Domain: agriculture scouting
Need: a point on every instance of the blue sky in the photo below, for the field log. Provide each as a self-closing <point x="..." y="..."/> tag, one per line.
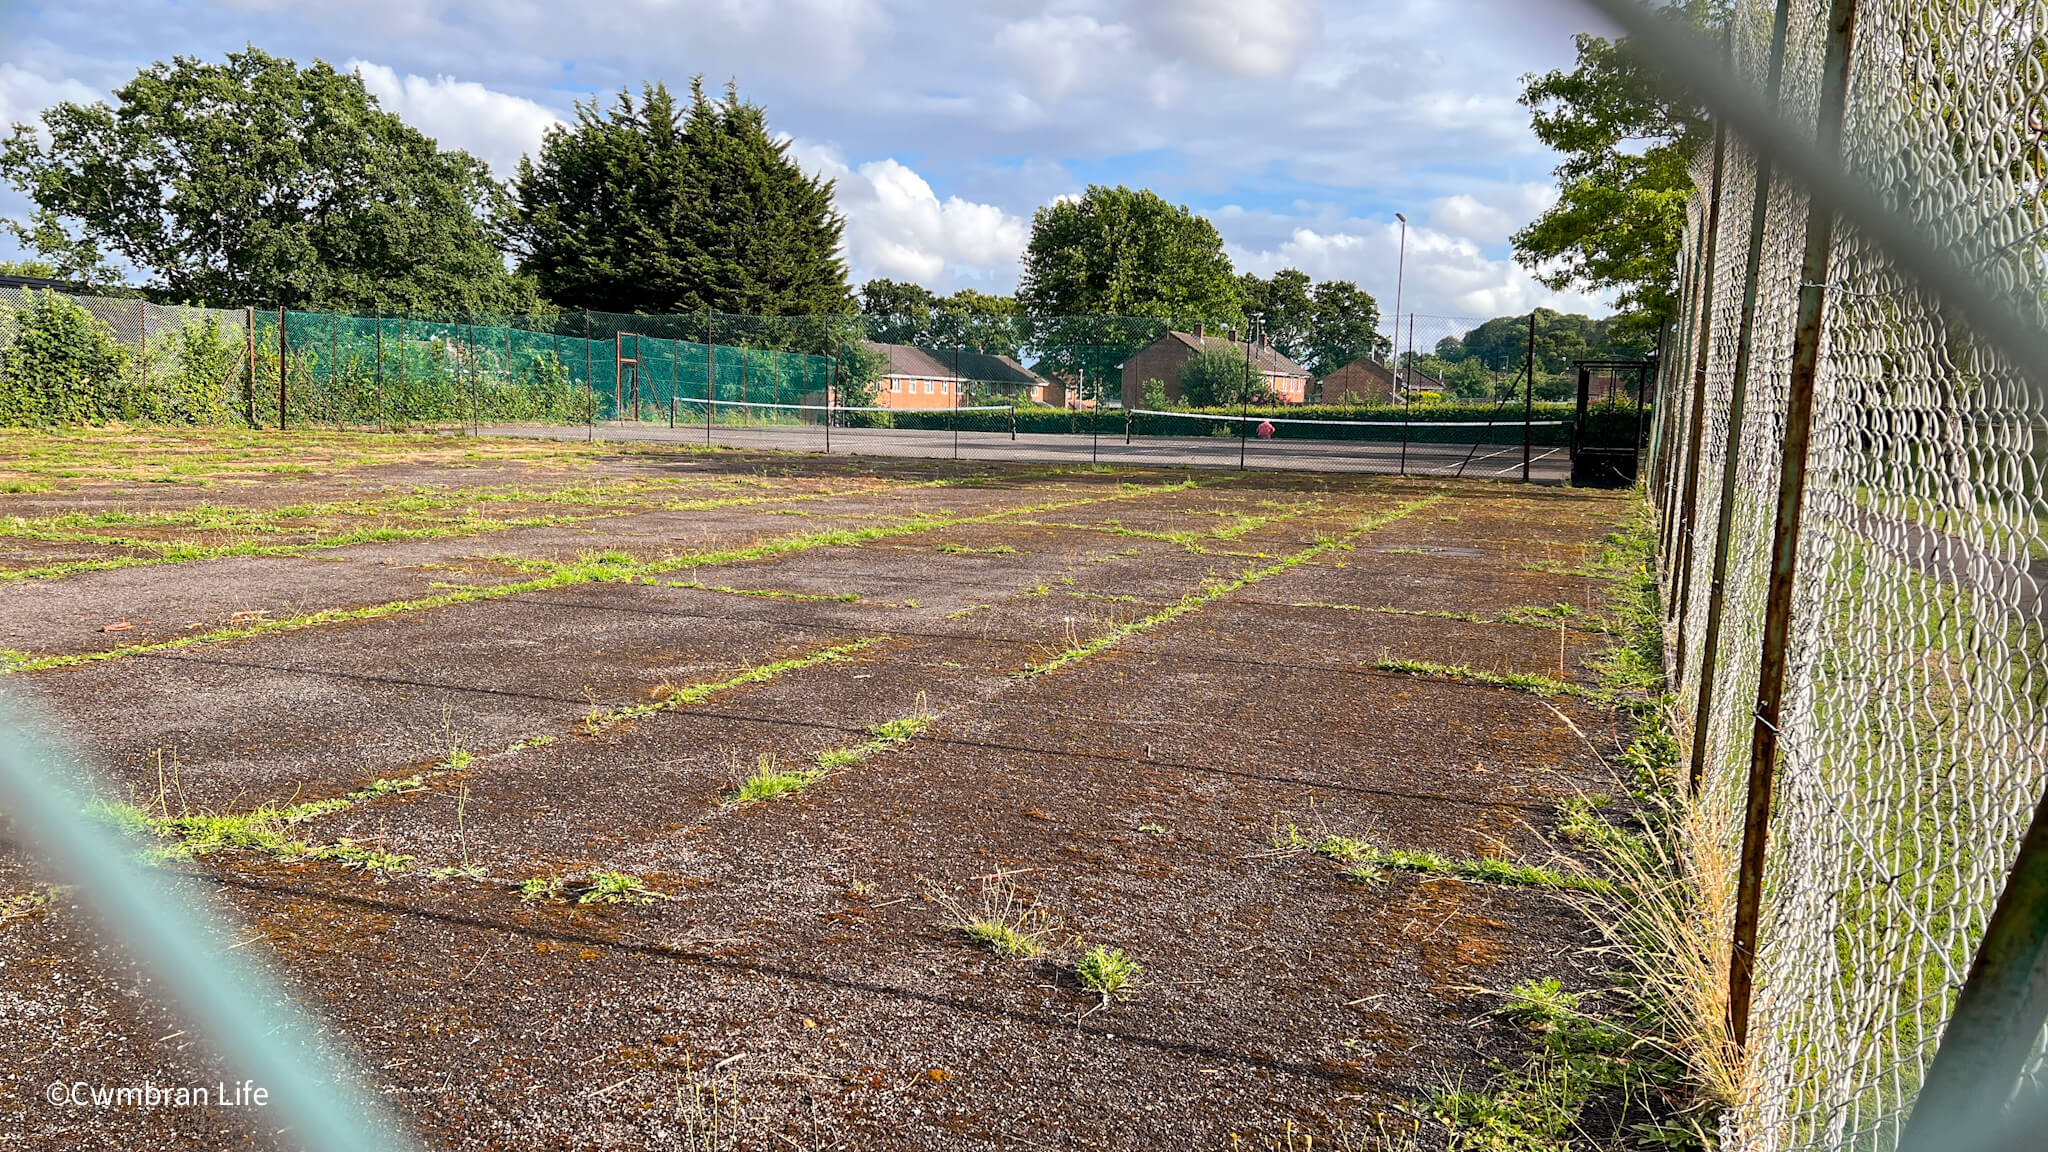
<point x="1300" y="127"/>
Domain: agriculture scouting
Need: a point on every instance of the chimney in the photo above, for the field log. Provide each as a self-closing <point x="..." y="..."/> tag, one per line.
<point x="1201" y="330"/>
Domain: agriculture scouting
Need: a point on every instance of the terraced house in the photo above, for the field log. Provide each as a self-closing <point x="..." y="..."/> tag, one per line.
<point x="1161" y="360"/>
<point x="947" y="377"/>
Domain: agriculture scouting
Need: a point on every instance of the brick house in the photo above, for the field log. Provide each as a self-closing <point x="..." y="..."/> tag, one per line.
<point x="1161" y="360"/>
<point x="1367" y="381"/>
<point x="945" y="378"/>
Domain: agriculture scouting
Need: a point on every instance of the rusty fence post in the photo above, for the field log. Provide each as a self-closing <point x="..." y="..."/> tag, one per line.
<point x="1763" y="748"/>
<point x="1724" y="525"/>
<point x="1697" y="432"/>
<point x="281" y="353"/>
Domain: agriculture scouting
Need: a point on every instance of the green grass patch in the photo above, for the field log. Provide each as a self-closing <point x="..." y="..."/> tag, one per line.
<point x="770" y="782"/>
<point x="1107" y="972"/>
<point x="964" y="550"/>
<point x="1520" y="681"/>
<point x="671" y="697"/>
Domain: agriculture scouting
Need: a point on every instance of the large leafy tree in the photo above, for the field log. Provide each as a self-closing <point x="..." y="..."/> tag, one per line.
<point x="1321" y="326"/>
<point x="900" y="312"/>
<point x="1108" y="272"/>
<point x="1623" y="179"/>
<point x="1343" y="324"/>
<point x="1118" y="252"/>
<point x="256" y="181"/>
<point x="1283" y="307"/>
<point x="649" y="206"/>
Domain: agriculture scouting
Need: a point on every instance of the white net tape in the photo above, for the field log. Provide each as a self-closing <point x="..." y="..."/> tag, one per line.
<point x="1914" y="736"/>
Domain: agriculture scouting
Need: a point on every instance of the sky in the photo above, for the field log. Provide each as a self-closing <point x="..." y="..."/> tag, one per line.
<point x="1299" y="127"/>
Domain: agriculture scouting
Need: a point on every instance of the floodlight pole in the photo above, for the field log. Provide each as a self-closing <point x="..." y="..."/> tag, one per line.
<point x="1400" y="270"/>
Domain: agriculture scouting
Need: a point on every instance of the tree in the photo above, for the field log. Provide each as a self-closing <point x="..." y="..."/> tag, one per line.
<point x="1623" y="182"/>
<point x="1343" y="325"/>
<point x="1284" y="308"/>
<point x="39" y="269"/>
<point x="254" y="180"/>
<point x="897" y="312"/>
<point x="649" y="207"/>
<point x="1116" y="252"/>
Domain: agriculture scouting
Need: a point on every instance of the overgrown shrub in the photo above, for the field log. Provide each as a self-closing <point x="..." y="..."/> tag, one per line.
<point x="196" y="382"/>
<point x="60" y="366"/>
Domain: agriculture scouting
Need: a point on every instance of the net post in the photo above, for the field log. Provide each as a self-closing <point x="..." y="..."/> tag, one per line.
<point x="1095" y="413"/>
<point x="1785" y="533"/>
<point x="1528" y="396"/>
<point x="378" y="373"/>
<point x="1724" y="524"/>
<point x="281" y="352"/>
<point x="1408" y="392"/>
<point x="1689" y="505"/>
<point x="1244" y="400"/>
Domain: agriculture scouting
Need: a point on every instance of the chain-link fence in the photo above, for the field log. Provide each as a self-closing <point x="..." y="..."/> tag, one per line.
<point x="1072" y="389"/>
<point x="1855" y="543"/>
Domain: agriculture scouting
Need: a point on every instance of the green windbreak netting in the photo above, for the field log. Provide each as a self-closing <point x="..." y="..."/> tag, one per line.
<point x="324" y="368"/>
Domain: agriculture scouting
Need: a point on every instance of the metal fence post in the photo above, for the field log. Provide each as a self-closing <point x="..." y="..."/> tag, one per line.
<point x="280" y="367"/>
<point x="1682" y="576"/>
<point x="1763" y="749"/>
<point x="249" y="392"/>
<point x="1731" y="453"/>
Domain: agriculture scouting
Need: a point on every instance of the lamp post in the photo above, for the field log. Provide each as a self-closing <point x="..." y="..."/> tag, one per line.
<point x="1400" y="269"/>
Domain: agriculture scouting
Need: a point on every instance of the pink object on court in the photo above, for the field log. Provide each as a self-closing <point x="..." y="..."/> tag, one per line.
<point x="1265" y="429"/>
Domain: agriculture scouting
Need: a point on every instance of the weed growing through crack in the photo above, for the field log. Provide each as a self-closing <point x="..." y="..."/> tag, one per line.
<point x="669" y="697"/>
<point x="1004" y="922"/>
<point x="769" y="782"/>
<point x="1107" y="972"/>
<point x="882" y="737"/>
<point x="1521" y="681"/>
<point x="540" y="888"/>
<point x="1484" y="869"/>
<point x="965" y="550"/>
<point x="617" y="888"/>
<point x="29" y="902"/>
<point x="1212" y="589"/>
<point x="381" y="862"/>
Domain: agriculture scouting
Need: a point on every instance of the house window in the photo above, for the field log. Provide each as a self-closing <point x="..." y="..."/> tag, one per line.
<point x="942" y="388"/>
<point x="895" y="385"/>
<point x="927" y="387"/>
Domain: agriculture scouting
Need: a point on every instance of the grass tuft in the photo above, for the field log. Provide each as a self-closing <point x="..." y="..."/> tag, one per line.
<point x="617" y="888"/>
<point x="1107" y="972"/>
<point x="1004" y="921"/>
<point x="769" y="782"/>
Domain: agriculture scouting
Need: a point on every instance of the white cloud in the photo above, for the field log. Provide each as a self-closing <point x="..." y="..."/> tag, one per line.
<point x="1493" y="215"/>
<point x="25" y="93"/>
<point x="896" y="226"/>
<point x="1055" y="54"/>
<point x="495" y="127"/>
<point x="1442" y="275"/>
<point x="1236" y="37"/>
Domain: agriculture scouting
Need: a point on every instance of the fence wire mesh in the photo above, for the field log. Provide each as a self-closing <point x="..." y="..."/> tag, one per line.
<point x="1914" y="735"/>
<point x="1069" y="389"/>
